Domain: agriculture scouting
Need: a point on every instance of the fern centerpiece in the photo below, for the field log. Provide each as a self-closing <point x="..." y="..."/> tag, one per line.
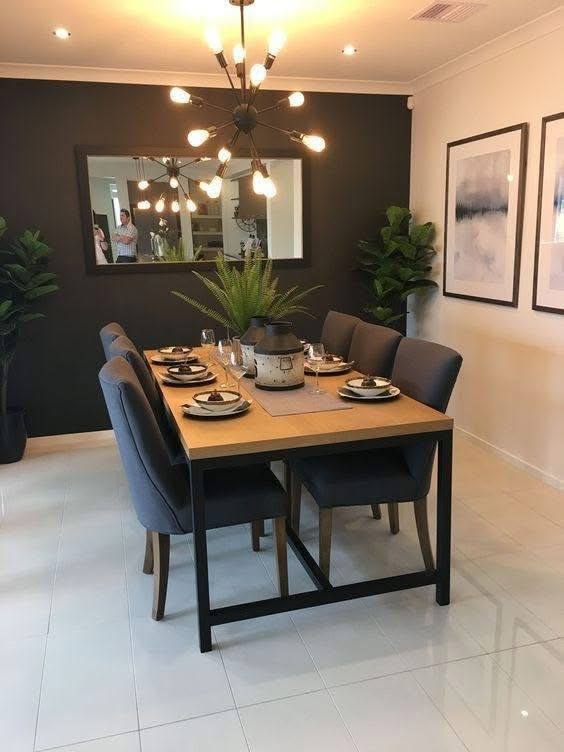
<point x="243" y="293"/>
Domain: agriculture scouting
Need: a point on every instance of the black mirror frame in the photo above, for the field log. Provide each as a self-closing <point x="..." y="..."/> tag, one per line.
<point x="83" y="152"/>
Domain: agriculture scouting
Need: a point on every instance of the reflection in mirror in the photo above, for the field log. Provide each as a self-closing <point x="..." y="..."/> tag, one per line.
<point x="156" y="209"/>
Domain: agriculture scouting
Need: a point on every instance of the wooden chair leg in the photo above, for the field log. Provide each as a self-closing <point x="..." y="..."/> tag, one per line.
<point x="148" y="564"/>
<point x="393" y="515"/>
<point x="376" y="511"/>
<point x="161" y="553"/>
<point x="295" y="501"/>
<point x="262" y="531"/>
<point x="255" y="534"/>
<point x="422" y="522"/>
<point x="325" y="527"/>
<point x="281" y="554"/>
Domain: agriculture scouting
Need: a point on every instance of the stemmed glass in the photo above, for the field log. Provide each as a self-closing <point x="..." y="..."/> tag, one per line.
<point x="207" y="340"/>
<point x="237" y="365"/>
<point x="224" y="349"/>
<point x="315" y="356"/>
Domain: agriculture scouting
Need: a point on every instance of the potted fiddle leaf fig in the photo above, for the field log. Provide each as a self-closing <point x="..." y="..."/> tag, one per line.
<point x="246" y="293"/>
<point x="396" y="264"/>
<point x="24" y="280"/>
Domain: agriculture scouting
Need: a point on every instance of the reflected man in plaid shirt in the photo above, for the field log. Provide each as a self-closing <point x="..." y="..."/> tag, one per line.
<point x="126" y="239"/>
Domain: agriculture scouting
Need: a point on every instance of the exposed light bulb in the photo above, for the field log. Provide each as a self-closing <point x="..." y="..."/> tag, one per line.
<point x="173" y="182"/>
<point x="258" y="181"/>
<point x="258" y="74"/>
<point x="204" y="185"/>
<point x="276" y="42"/>
<point x="61" y="33"/>
<point x="315" y="143"/>
<point x="214" y="188"/>
<point x="198" y="137"/>
<point x="160" y="205"/>
<point x="349" y="50"/>
<point x="143" y="185"/>
<point x="175" y="206"/>
<point x="143" y="204"/>
<point x="214" y="41"/>
<point x="239" y="54"/>
<point x="268" y="187"/>
<point x="296" y="99"/>
<point x="180" y="96"/>
<point x="224" y="155"/>
<point x="190" y="205"/>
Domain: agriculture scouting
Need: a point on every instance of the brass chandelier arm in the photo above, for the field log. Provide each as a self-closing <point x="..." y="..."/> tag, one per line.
<point x="216" y="106"/>
<point x="275" y="128"/>
<point x="244" y="64"/>
<point x="233" y="87"/>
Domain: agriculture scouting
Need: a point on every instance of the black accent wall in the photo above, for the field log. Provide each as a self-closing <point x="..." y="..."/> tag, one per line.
<point x="364" y="169"/>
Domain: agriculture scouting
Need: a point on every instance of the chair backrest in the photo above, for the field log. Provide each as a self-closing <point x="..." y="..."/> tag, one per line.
<point x="108" y="333"/>
<point x="160" y="491"/>
<point x="124" y="347"/>
<point x="337" y="332"/>
<point x="426" y="372"/>
<point x="373" y="349"/>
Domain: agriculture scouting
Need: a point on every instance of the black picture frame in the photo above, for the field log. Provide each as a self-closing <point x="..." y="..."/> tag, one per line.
<point x="536" y="306"/>
<point x="82" y="152"/>
<point x="524" y="130"/>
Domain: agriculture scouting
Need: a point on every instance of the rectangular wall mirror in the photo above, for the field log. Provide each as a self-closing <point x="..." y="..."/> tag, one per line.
<point x="148" y="210"/>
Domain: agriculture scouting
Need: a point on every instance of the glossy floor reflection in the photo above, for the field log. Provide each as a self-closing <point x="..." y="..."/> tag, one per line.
<point x="85" y="669"/>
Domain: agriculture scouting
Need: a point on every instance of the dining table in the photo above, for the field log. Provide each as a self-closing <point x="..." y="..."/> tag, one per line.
<point x="256" y="436"/>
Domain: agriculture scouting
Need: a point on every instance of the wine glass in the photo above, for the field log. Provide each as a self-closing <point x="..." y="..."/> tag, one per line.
<point x="315" y="356"/>
<point x="224" y="350"/>
<point x="207" y="340"/>
<point x="237" y="365"/>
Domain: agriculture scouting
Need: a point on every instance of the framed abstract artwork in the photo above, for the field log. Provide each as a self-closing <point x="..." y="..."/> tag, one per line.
<point x="485" y="191"/>
<point x="548" y="286"/>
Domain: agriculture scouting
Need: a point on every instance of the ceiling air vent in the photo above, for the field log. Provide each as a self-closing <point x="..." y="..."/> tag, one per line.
<point x="448" y="12"/>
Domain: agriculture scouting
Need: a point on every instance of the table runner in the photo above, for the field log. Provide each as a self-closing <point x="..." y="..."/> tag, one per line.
<point x="293" y="401"/>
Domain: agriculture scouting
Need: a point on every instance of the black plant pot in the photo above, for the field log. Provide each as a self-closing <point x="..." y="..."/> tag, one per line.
<point x="13" y="436"/>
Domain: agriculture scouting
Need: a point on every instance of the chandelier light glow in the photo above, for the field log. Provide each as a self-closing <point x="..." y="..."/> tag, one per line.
<point x="173" y="171"/>
<point x="245" y="116"/>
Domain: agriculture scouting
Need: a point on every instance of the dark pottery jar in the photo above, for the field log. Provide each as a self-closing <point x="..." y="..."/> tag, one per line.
<point x="254" y="333"/>
<point x="279" y="358"/>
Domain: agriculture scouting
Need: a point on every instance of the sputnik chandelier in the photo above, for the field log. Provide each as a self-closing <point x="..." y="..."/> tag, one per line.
<point x="245" y="117"/>
<point x="173" y="170"/>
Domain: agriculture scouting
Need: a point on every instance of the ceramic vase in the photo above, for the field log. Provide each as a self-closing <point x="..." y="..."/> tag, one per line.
<point x="279" y="358"/>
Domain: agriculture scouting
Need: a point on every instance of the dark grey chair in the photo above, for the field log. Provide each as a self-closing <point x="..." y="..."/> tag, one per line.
<point x="107" y="335"/>
<point x="161" y="491"/>
<point x="426" y="372"/>
<point x="123" y="347"/>
<point x="373" y="349"/>
<point x="337" y="332"/>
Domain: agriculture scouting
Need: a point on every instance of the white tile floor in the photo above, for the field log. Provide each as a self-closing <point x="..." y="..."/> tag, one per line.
<point x="83" y="668"/>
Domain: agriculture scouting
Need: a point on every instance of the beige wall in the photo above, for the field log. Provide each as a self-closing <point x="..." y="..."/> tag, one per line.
<point x="511" y="390"/>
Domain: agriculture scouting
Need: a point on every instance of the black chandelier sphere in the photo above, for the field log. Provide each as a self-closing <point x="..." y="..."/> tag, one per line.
<point x="245" y="116"/>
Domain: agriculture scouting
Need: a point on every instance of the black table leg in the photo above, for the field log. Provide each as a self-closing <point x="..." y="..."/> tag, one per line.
<point x="200" y="556"/>
<point x="444" y="493"/>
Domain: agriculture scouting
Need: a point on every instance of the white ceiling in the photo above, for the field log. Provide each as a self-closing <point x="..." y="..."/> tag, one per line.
<point x="167" y="35"/>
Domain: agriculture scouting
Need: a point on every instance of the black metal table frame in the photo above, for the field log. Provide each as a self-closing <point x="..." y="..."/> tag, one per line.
<point x="325" y="593"/>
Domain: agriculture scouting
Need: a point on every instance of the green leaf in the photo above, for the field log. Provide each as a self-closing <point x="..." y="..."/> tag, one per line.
<point x="420" y="234"/>
<point x="397" y="215"/>
<point x="38" y="292"/>
<point x="32" y="316"/>
<point x="5" y="306"/>
<point x="3" y="226"/>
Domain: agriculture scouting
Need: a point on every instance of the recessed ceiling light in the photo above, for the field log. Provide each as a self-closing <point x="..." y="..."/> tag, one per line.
<point x="61" y="33"/>
<point x="349" y="50"/>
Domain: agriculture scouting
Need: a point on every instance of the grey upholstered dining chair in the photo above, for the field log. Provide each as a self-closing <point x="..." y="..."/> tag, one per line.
<point x="161" y="491"/>
<point x="373" y="349"/>
<point x="337" y="332"/>
<point x="424" y="371"/>
<point x="123" y="347"/>
<point x="107" y="335"/>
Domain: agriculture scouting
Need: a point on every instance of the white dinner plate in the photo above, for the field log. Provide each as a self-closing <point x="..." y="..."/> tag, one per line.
<point x="392" y="393"/>
<point x="175" y="382"/>
<point x="195" y="411"/>
<point x="158" y="361"/>
<point x="333" y="371"/>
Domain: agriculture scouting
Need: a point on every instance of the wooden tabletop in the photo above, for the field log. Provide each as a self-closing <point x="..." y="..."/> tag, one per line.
<point x="257" y="431"/>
